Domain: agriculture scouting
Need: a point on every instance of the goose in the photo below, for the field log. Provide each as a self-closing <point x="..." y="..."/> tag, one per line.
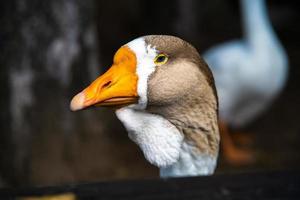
<point x="249" y="74"/>
<point x="164" y="94"/>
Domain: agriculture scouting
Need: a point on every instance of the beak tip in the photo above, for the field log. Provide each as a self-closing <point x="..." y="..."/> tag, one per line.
<point x="77" y="102"/>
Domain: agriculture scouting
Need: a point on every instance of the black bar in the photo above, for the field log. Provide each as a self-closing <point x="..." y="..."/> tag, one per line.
<point x="260" y="185"/>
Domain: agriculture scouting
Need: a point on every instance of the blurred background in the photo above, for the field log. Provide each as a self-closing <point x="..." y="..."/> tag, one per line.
<point x="50" y="50"/>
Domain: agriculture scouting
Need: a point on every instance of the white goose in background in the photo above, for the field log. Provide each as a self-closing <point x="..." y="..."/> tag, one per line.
<point x="249" y="74"/>
<point x="164" y="95"/>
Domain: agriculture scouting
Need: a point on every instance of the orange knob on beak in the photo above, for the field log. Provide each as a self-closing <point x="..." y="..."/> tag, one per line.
<point x="116" y="87"/>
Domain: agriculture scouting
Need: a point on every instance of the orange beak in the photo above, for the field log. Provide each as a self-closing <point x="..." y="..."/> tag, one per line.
<point x="116" y="87"/>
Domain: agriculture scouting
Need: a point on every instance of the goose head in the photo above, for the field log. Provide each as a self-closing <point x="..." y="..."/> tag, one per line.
<point x="164" y="95"/>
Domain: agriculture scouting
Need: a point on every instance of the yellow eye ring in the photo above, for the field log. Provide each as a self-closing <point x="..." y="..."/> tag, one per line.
<point x="160" y="59"/>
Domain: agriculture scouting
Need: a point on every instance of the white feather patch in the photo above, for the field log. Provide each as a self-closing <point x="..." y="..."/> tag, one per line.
<point x="145" y="55"/>
<point x="190" y="163"/>
<point x="159" y="140"/>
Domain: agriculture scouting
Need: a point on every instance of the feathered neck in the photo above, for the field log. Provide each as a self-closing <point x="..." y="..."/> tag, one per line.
<point x="177" y="148"/>
<point x="191" y="162"/>
<point x="256" y="23"/>
<point x="196" y="119"/>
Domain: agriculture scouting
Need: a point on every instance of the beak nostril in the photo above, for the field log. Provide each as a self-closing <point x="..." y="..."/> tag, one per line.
<point x="107" y="84"/>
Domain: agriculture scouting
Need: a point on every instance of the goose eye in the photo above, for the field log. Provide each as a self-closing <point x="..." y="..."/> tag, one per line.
<point x="160" y="59"/>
